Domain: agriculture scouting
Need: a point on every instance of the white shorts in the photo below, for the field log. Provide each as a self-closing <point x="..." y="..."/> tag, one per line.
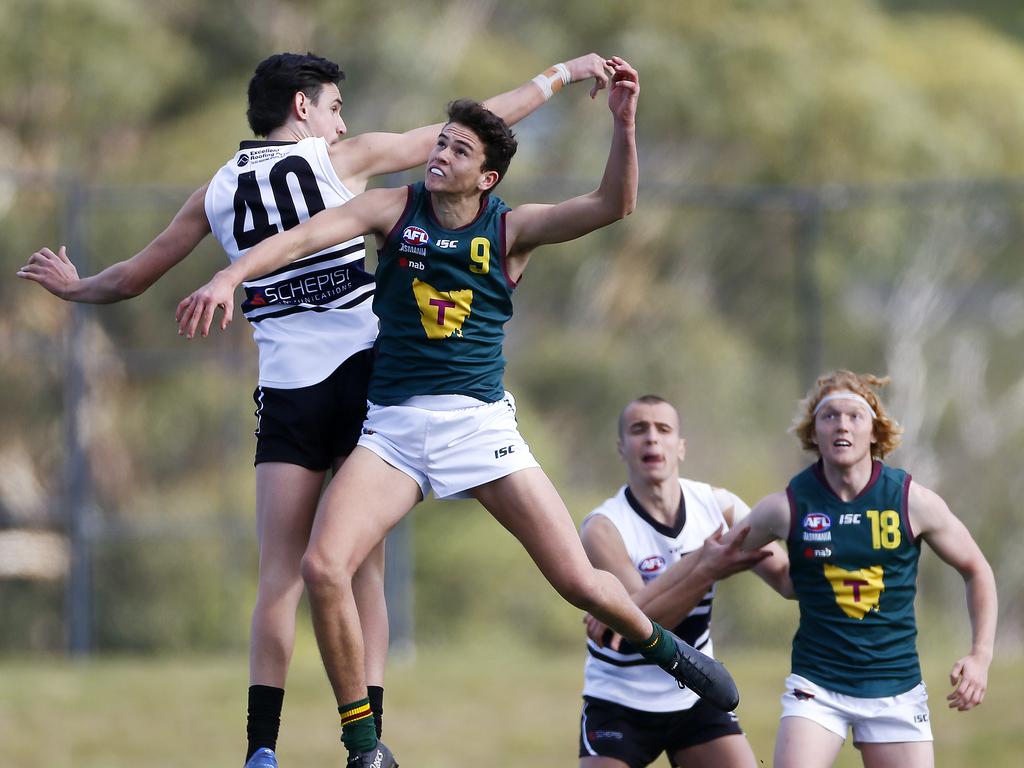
<point x="887" y="719"/>
<point x="448" y="451"/>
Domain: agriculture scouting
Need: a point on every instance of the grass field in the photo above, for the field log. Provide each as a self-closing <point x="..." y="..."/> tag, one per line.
<point x="491" y="704"/>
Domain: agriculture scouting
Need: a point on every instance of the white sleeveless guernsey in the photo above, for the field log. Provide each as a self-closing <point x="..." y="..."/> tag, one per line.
<point x="626" y="678"/>
<point x="312" y="315"/>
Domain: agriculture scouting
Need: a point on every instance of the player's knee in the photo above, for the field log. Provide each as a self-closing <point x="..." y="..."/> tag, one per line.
<point x="323" y="574"/>
<point x="581" y="590"/>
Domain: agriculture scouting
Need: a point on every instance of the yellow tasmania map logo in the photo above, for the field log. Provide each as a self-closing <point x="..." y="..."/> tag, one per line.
<point x="442" y="312"/>
<point x="857" y="592"/>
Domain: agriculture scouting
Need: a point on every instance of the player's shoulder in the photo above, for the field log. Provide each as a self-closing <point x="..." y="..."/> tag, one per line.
<point x="611" y="508"/>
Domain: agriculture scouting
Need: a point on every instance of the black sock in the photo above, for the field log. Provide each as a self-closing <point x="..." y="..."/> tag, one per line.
<point x="264" y="717"/>
<point x="376" y="695"/>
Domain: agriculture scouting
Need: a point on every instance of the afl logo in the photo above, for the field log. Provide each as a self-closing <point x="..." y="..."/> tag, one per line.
<point x="415" y="236"/>
<point x="243" y="160"/>
<point x="652" y="564"/>
<point x="817" y="521"/>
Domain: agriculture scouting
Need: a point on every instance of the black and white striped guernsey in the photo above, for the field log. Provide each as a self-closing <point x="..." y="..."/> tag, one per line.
<point x="624" y="677"/>
<point x="312" y="315"/>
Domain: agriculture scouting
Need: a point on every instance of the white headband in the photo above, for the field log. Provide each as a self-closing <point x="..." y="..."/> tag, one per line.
<point x="845" y="396"/>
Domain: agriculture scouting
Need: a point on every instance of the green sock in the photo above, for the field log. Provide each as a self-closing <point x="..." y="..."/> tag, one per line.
<point x="659" y="647"/>
<point x="357" y="728"/>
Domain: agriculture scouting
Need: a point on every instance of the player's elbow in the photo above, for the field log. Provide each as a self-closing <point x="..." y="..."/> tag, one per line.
<point x="127" y="284"/>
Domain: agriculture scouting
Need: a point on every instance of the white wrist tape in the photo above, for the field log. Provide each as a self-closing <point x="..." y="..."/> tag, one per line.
<point x="551" y="80"/>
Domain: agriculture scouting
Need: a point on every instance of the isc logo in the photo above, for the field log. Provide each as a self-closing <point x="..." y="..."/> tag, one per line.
<point x="415" y="236"/>
<point x="504" y="451"/>
<point x="849" y="518"/>
<point x="447" y="243"/>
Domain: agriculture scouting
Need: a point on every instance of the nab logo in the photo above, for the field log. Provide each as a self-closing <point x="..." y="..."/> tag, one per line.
<point x="849" y="518"/>
<point x="651" y="564"/>
<point x="447" y="243"/>
<point x="415" y="236"/>
<point x="410" y="264"/>
<point x="817" y="521"/>
<point x="243" y="160"/>
<point x="502" y="452"/>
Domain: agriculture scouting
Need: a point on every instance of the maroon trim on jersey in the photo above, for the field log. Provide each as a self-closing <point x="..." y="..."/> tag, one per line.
<point x="794" y="524"/>
<point x="905" y="511"/>
<point x="819" y="472"/>
<point x="401" y="219"/>
<point x="504" y="266"/>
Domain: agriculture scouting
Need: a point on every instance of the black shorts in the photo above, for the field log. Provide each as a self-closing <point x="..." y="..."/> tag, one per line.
<point x="314" y="426"/>
<point x="637" y="738"/>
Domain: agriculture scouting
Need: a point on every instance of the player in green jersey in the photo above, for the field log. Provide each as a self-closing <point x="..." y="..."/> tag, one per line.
<point x="854" y="528"/>
<point x="430" y="323"/>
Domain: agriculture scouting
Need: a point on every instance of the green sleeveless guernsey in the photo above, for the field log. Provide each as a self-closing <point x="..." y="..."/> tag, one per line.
<point x="443" y="298"/>
<point x="854" y="569"/>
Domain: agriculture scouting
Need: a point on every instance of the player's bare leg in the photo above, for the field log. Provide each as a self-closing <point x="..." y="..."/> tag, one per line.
<point x="286" y="497"/>
<point x="529" y="507"/>
<point x="732" y="751"/>
<point x="368" y="590"/>
<point x="802" y="743"/>
<point x="904" y="754"/>
<point x="361" y="504"/>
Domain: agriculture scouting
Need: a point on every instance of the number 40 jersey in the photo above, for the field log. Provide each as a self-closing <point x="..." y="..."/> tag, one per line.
<point x="313" y="314"/>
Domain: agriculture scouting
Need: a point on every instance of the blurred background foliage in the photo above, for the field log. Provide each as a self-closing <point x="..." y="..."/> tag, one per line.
<point x="889" y="136"/>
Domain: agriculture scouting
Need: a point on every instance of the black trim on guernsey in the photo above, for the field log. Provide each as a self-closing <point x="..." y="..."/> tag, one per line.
<point x="292" y="309"/>
<point x="670" y="531"/>
<point x="597" y="654"/>
<point x="310" y="261"/>
<point x="259" y="144"/>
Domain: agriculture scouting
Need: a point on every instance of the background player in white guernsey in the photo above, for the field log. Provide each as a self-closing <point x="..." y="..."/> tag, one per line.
<point x="660" y="535"/>
<point x="312" y="323"/>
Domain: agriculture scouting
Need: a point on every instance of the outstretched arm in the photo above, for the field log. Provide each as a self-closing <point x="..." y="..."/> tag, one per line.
<point x="362" y="157"/>
<point x="529" y="226"/>
<point x="669" y="598"/>
<point x="372" y="213"/>
<point x="126" y="279"/>
<point x="767" y="522"/>
<point x="933" y="521"/>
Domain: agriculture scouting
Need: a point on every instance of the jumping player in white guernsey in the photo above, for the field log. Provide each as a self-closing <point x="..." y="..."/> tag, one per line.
<point x="661" y="535"/>
<point x="312" y="323"/>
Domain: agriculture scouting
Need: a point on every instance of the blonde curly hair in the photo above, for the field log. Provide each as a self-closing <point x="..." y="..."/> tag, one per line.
<point x="885" y="430"/>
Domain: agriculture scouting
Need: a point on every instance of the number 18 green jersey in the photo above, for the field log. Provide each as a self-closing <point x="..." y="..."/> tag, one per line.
<point x="854" y="568"/>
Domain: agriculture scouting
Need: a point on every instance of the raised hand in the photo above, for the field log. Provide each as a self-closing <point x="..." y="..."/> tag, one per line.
<point x="590" y="65"/>
<point x="624" y="90"/>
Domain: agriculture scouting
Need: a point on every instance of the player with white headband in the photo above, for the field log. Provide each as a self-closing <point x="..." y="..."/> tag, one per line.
<point x="854" y="528"/>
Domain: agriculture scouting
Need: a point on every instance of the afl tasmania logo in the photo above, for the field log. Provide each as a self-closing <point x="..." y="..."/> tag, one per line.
<point x="243" y="160"/>
<point x="415" y="236"/>
<point x="817" y="521"/>
<point x="651" y="564"/>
